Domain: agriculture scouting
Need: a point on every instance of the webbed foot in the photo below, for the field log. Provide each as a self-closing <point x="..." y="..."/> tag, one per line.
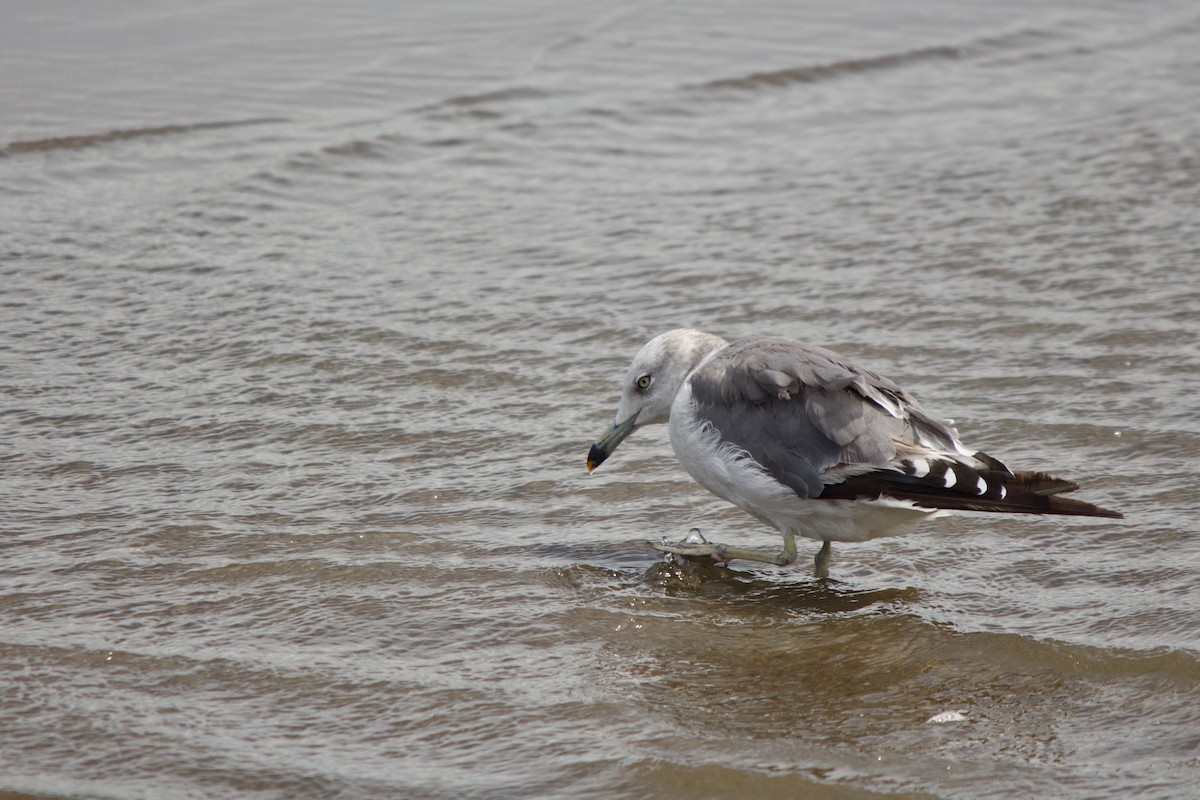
<point x="694" y="545"/>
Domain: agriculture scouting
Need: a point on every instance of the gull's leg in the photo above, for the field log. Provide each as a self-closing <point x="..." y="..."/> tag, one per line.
<point x="824" y="556"/>
<point x="695" y="545"/>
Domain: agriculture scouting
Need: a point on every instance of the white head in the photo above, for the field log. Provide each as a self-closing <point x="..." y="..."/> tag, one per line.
<point x="651" y="383"/>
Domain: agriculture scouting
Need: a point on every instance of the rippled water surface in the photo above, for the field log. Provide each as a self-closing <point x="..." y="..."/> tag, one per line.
<point x="308" y="315"/>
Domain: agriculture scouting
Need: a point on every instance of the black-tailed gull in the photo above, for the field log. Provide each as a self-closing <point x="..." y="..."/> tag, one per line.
<point x="811" y="444"/>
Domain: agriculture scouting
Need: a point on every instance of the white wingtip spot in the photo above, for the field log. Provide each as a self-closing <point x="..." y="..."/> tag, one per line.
<point x="981" y="486"/>
<point x="949" y="479"/>
<point x="1003" y="492"/>
<point x="920" y="467"/>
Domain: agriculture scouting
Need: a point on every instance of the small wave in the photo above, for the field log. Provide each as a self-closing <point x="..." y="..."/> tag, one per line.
<point x="1013" y="42"/>
<point x="479" y="104"/>
<point x="500" y="95"/>
<point x="836" y="69"/>
<point x="122" y="134"/>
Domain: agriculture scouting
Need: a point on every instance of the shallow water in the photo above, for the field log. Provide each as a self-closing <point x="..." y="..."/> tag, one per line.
<point x="309" y="319"/>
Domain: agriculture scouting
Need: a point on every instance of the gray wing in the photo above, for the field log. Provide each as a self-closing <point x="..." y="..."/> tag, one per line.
<point x="832" y="430"/>
<point x="809" y="417"/>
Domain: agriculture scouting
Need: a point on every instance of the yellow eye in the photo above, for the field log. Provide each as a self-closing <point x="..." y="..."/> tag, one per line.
<point x="644" y="382"/>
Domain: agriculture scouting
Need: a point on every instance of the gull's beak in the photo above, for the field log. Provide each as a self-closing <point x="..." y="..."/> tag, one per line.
<point x="609" y="441"/>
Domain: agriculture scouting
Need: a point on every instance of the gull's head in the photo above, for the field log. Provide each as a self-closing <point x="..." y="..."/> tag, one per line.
<point x="651" y="383"/>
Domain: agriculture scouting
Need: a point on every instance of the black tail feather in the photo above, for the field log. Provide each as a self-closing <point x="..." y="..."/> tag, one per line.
<point x="993" y="489"/>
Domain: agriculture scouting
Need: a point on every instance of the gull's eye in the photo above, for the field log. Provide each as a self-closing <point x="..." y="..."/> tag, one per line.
<point x="644" y="382"/>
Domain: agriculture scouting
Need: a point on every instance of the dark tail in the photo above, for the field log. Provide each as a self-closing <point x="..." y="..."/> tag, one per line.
<point x="995" y="489"/>
<point x="1041" y="493"/>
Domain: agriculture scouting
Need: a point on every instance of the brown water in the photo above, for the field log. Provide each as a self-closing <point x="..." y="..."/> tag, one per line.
<point x="310" y="315"/>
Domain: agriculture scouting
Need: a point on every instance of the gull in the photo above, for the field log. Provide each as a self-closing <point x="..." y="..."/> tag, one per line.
<point x="812" y="445"/>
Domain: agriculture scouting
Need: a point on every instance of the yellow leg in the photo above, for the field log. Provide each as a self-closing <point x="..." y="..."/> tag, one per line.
<point x="824" y="556"/>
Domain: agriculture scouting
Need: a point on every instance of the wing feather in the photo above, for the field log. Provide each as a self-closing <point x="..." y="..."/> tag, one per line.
<point x="830" y="429"/>
<point x="805" y="414"/>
